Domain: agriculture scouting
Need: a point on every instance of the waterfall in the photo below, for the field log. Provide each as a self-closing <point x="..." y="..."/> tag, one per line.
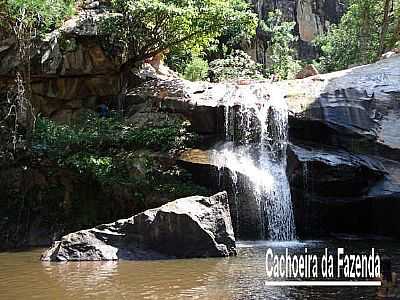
<point x="256" y="127"/>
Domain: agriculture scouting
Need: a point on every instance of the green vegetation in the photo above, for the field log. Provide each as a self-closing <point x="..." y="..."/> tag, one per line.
<point x="237" y="65"/>
<point x="107" y="150"/>
<point x="281" y="54"/>
<point x="366" y="31"/>
<point x="27" y="21"/>
<point x="92" y="133"/>
<point x="146" y="28"/>
<point x="104" y="147"/>
<point x="92" y="171"/>
<point x="196" y="70"/>
<point x="42" y="15"/>
<point x="227" y="62"/>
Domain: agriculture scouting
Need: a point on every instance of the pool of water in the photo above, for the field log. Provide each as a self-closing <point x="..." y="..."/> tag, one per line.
<point x="23" y="276"/>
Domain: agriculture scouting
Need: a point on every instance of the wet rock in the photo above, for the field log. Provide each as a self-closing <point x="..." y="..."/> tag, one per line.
<point x="244" y="209"/>
<point x="189" y="227"/>
<point x="357" y="109"/>
<point x="333" y="172"/>
<point x="336" y="191"/>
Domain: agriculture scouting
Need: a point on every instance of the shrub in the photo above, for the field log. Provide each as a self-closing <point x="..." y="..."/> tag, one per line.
<point x="102" y="147"/>
<point x="237" y="65"/>
<point x="196" y="70"/>
<point x="43" y="15"/>
<point x="112" y="152"/>
<point x="101" y="134"/>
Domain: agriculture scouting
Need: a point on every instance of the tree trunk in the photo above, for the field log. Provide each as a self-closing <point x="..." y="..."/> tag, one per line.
<point x="30" y="120"/>
<point x="384" y="28"/>
<point x="30" y="111"/>
<point x="396" y="33"/>
<point x="365" y="29"/>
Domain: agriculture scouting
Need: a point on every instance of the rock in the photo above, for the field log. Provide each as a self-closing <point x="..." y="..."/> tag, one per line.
<point x="198" y="102"/>
<point x="185" y="228"/>
<point x="311" y="17"/>
<point x="333" y="172"/>
<point x="307" y="71"/>
<point x="70" y="63"/>
<point x="244" y="209"/>
<point x="391" y="53"/>
<point x="357" y="109"/>
<point x="330" y="184"/>
<point x="309" y="24"/>
<point x="346" y="164"/>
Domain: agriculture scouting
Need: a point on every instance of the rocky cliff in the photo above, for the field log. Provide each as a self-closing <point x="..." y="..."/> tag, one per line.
<point x="73" y="67"/>
<point x="344" y="161"/>
<point x="312" y="17"/>
<point x="344" y="158"/>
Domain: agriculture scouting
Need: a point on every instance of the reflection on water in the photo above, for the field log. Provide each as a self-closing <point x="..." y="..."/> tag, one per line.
<point x="23" y="276"/>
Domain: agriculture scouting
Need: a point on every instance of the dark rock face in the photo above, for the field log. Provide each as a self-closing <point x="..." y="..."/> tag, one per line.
<point x="334" y="172"/>
<point x="353" y="119"/>
<point x="336" y="191"/>
<point x="188" y="227"/>
<point x="357" y="109"/>
<point x="59" y="200"/>
<point x="344" y="167"/>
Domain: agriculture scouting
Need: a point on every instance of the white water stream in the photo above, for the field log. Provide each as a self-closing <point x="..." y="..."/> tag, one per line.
<point x="256" y="125"/>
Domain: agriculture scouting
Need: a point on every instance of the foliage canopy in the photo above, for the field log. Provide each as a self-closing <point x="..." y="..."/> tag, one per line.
<point x="196" y="70"/>
<point x="237" y="65"/>
<point x="145" y="28"/>
<point x="43" y="15"/>
<point x="366" y="30"/>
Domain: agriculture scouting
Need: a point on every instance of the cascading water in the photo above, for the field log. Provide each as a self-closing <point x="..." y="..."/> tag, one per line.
<point x="256" y="140"/>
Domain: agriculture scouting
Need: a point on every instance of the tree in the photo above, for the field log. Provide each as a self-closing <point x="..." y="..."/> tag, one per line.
<point x="237" y="65"/>
<point x="367" y="29"/>
<point x="232" y="37"/>
<point x="395" y="24"/>
<point x="385" y="25"/>
<point x="281" y="60"/>
<point x="145" y="28"/>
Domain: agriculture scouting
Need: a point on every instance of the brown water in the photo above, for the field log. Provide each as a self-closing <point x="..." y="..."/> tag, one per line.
<point x="23" y="276"/>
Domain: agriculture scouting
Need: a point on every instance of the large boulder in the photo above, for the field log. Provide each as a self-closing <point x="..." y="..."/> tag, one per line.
<point x="357" y="108"/>
<point x="188" y="227"/>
